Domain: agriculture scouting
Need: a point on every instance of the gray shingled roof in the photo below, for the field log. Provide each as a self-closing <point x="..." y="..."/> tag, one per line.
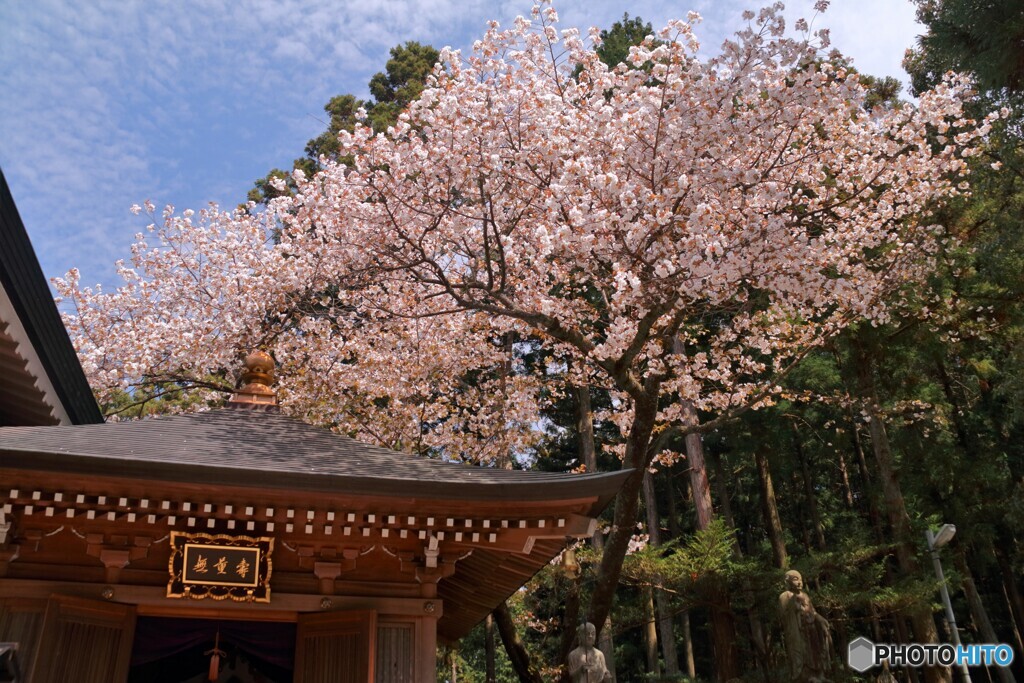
<point x="248" y="447"/>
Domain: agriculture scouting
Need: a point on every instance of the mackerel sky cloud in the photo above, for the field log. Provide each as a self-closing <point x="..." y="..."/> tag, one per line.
<point x="112" y="102"/>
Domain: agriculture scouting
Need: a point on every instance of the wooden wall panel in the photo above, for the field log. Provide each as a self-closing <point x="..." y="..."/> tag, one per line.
<point x="86" y="641"/>
<point x="335" y="647"/>
<point x="395" y="653"/>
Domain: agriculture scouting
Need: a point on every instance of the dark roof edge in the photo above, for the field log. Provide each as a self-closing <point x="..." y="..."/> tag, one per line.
<point x="603" y="486"/>
<point x="26" y="285"/>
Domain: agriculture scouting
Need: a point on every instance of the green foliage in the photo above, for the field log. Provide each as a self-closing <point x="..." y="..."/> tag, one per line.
<point x="983" y="37"/>
<point x="624" y="34"/>
<point x="401" y="82"/>
<point x="683" y="564"/>
<point x="163" y="397"/>
<point x="882" y="92"/>
<point x="343" y="113"/>
<point x="469" y="657"/>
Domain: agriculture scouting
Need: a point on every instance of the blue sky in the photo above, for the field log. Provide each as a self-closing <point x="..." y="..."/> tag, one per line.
<point x="107" y="103"/>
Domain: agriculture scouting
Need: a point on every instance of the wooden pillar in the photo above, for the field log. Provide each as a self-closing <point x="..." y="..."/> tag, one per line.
<point x="426" y="647"/>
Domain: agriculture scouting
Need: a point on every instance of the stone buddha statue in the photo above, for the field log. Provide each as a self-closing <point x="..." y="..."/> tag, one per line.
<point x="806" y="634"/>
<point x="586" y="663"/>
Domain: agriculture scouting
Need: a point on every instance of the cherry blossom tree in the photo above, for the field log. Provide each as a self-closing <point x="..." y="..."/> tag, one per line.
<point x="679" y="234"/>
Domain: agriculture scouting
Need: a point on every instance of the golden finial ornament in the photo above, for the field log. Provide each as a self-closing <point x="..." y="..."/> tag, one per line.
<point x="257" y="383"/>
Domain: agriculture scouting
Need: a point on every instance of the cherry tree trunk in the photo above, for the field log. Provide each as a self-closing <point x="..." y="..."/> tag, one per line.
<point x="624" y="515"/>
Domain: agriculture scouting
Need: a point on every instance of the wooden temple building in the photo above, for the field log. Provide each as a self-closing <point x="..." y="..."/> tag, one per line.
<point x="145" y="550"/>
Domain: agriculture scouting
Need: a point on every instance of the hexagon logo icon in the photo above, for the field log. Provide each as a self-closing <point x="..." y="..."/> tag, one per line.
<point x="860" y="654"/>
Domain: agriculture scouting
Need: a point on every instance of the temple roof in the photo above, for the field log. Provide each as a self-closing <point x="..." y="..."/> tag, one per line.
<point x="206" y="471"/>
<point x="257" y="448"/>
<point x="41" y="380"/>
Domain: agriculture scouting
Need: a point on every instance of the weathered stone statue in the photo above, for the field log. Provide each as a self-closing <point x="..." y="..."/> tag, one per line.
<point x="806" y="633"/>
<point x="586" y="662"/>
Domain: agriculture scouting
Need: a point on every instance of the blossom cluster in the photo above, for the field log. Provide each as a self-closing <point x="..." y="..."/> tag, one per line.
<point x="679" y="230"/>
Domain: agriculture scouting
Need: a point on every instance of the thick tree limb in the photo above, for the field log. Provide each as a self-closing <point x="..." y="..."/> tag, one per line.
<point x="517" y="653"/>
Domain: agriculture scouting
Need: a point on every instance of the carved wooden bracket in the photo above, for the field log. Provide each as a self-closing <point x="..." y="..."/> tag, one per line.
<point x="114" y="560"/>
<point x="327" y="572"/>
<point x="445" y="567"/>
<point x="116" y="552"/>
<point x="329" y="564"/>
<point x="309" y="556"/>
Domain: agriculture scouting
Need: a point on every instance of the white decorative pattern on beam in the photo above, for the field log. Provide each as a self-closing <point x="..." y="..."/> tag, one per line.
<point x="516" y="534"/>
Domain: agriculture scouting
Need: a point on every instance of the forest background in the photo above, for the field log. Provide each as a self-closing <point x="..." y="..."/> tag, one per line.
<point x="884" y="432"/>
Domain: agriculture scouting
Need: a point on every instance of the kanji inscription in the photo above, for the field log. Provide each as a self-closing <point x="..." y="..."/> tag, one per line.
<point x="220" y="567"/>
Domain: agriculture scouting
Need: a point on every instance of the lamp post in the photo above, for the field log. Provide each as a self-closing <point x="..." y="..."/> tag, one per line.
<point x="936" y="541"/>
